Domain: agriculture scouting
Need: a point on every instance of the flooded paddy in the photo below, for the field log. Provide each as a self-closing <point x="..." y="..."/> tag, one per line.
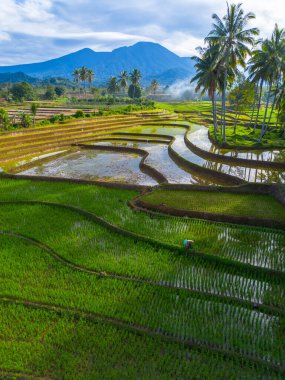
<point x="93" y="165"/>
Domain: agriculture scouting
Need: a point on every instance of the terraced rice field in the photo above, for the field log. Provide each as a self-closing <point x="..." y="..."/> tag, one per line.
<point x="92" y="289"/>
<point x="145" y="148"/>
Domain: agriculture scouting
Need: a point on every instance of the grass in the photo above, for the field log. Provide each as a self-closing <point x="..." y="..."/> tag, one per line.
<point x="163" y="311"/>
<point x="245" y="205"/>
<point x="81" y="349"/>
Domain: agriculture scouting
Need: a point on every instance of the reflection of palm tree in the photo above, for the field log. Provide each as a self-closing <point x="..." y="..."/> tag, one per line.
<point x="232" y="36"/>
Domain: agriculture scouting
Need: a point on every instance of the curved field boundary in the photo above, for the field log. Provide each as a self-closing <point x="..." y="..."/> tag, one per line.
<point x="232" y="160"/>
<point x="14" y="374"/>
<point x="113" y="185"/>
<point x="268" y="309"/>
<point x="161" y="136"/>
<point x="143" y="140"/>
<point x="141" y="330"/>
<point x="224" y="218"/>
<point x="194" y="168"/>
<point x="258" y="272"/>
<point x="156" y="175"/>
<point x="60" y="143"/>
<point x="39" y="160"/>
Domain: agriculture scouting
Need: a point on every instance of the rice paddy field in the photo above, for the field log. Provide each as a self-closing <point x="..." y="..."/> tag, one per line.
<point x="92" y="288"/>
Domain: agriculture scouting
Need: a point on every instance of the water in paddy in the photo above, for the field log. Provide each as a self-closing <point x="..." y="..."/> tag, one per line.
<point x="201" y="140"/>
<point x="245" y="173"/>
<point x="93" y="165"/>
<point x="159" y="159"/>
<point x="200" y="134"/>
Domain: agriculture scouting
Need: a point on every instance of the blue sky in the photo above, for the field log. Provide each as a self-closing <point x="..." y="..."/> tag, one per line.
<point x="37" y="30"/>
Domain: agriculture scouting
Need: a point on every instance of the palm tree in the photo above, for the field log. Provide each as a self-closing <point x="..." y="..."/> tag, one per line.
<point x="83" y="75"/>
<point x="90" y="76"/>
<point x="154" y="86"/>
<point x="135" y="77"/>
<point x="76" y="76"/>
<point x="123" y="80"/>
<point x="34" y="110"/>
<point x="208" y="77"/>
<point x="268" y="65"/>
<point x="112" y="86"/>
<point x="233" y="37"/>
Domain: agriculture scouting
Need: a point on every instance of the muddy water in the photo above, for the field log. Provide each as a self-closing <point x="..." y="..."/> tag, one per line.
<point x="92" y="165"/>
<point x="159" y="159"/>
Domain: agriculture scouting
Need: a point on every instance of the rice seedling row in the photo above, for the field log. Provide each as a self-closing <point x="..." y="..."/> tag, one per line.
<point x="204" y="322"/>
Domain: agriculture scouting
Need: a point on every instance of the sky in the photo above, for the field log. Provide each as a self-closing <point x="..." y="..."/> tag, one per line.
<point x="38" y="30"/>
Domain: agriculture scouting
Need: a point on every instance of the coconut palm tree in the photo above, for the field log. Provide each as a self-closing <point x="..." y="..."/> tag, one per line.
<point x="90" y="76"/>
<point x="123" y="80"/>
<point x="83" y="75"/>
<point x="233" y="37"/>
<point x="76" y="76"/>
<point x="208" y="77"/>
<point x="268" y="65"/>
<point x="154" y="86"/>
<point x="112" y="86"/>
<point x="135" y="77"/>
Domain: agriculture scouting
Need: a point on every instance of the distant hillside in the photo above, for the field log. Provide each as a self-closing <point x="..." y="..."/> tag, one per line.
<point x="11" y="77"/>
<point x="153" y="60"/>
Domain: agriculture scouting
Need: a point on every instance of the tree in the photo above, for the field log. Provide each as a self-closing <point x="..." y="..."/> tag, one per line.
<point x="34" y="109"/>
<point x="233" y="38"/>
<point x="112" y="86"/>
<point x="76" y="76"/>
<point x="135" y="77"/>
<point x="5" y="121"/>
<point x="22" y="91"/>
<point x="154" y="86"/>
<point x="134" y="91"/>
<point x="25" y="120"/>
<point x="241" y="97"/>
<point x="123" y="80"/>
<point x="59" y="91"/>
<point x="90" y="76"/>
<point x="50" y="93"/>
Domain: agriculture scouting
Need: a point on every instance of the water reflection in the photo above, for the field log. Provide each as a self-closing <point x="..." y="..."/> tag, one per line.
<point x="92" y="165"/>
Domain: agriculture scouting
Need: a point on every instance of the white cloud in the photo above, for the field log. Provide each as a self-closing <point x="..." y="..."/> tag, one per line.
<point x="62" y="26"/>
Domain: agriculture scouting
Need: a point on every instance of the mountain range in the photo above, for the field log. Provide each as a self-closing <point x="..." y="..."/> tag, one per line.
<point x="153" y="60"/>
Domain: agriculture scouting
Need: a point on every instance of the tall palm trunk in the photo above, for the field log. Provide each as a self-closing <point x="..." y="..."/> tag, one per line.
<point x="214" y="111"/>
<point x="259" y="103"/>
<point x="272" y="109"/>
<point x="223" y="119"/>
<point x="254" y="106"/>
<point x="263" y="128"/>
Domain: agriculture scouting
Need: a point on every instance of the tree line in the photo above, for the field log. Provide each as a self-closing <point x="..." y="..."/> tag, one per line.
<point x="128" y="83"/>
<point x="219" y="63"/>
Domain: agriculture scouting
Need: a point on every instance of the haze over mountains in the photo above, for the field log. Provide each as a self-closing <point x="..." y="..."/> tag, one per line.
<point x="153" y="60"/>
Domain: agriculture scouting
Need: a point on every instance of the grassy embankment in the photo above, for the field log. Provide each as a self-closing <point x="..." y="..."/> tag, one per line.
<point x="248" y="205"/>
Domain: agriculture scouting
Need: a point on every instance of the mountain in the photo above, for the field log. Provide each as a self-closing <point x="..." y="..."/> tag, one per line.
<point x="153" y="60"/>
<point x="16" y="77"/>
